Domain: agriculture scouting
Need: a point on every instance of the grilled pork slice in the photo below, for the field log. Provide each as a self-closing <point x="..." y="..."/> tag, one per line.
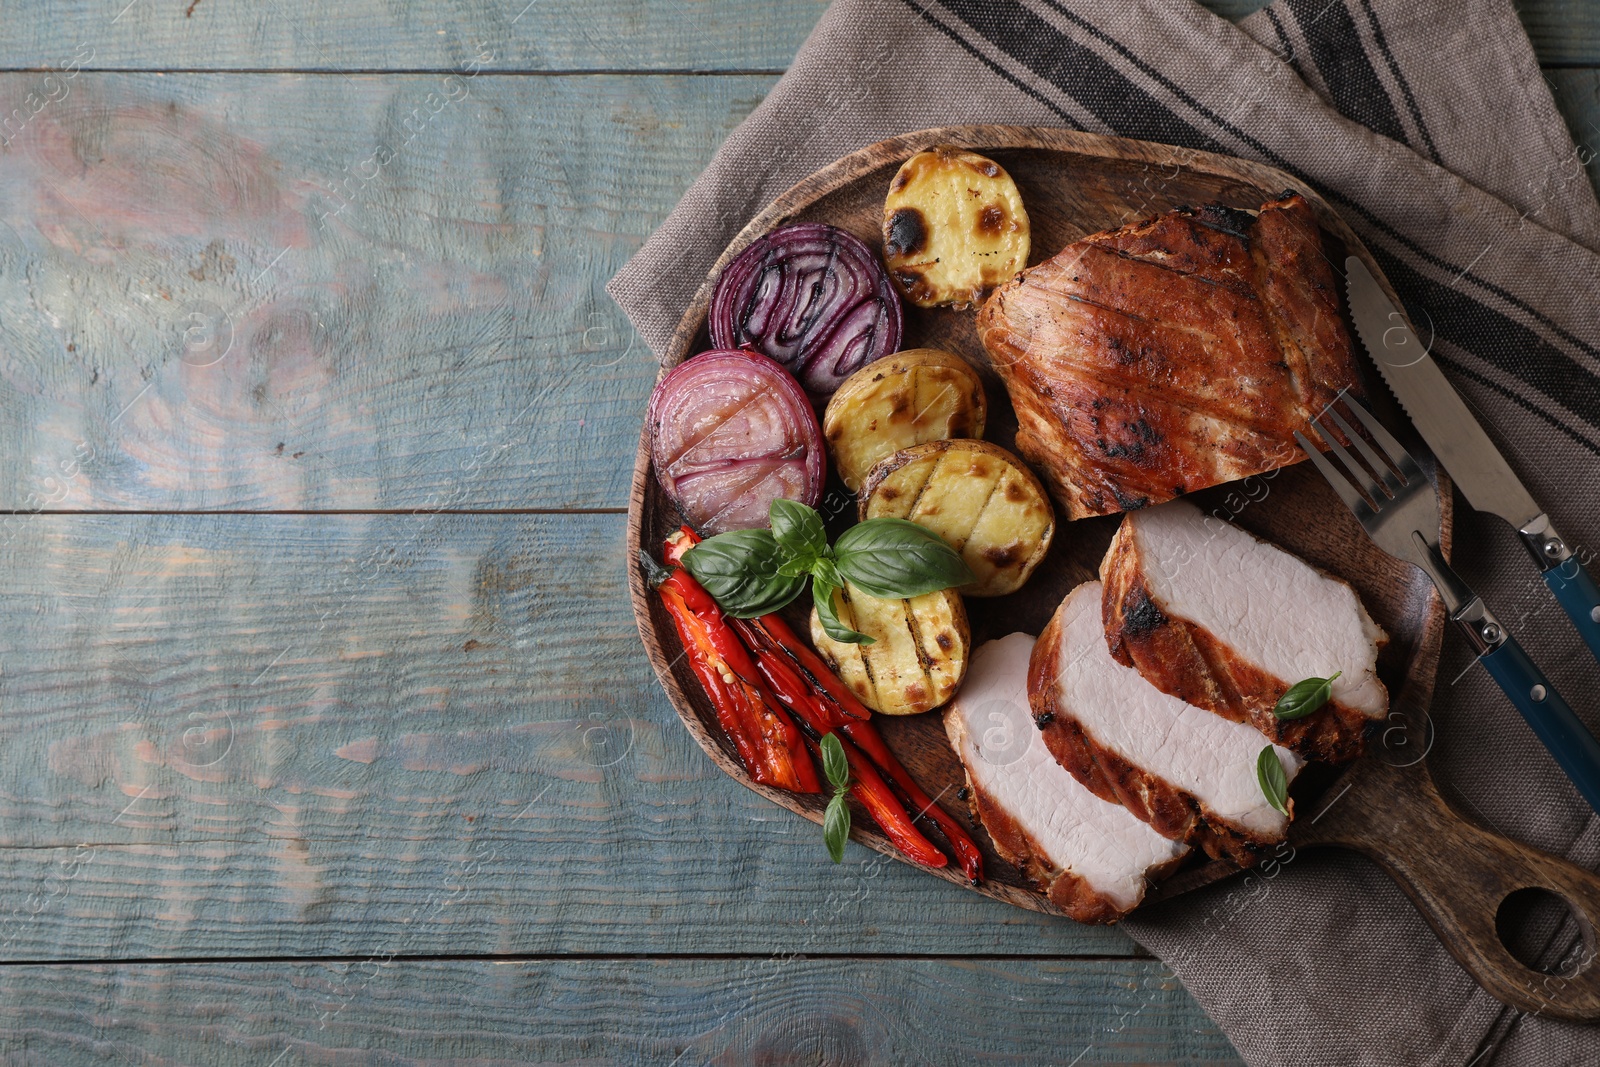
<point x="1171" y="354"/>
<point x="1092" y="857"/>
<point x="1226" y="622"/>
<point x="1187" y="772"/>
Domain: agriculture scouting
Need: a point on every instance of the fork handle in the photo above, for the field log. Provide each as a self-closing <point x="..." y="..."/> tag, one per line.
<point x="1578" y="596"/>
<point x="1552" y="720"/>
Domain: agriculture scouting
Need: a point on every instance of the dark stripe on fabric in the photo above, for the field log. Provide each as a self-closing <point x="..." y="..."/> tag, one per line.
<point x="1400" y="78"/>
<point x="1507" y="333"/>
<point x="1507" y="344"/>
<point x="921" y="10"/>
<point x="1336" y="49"/>
<point x="1077" y="71"/>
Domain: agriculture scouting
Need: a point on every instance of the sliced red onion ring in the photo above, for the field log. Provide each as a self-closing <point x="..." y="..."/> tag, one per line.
<point x="812" y="297"/>
<point x="731" y="431"/>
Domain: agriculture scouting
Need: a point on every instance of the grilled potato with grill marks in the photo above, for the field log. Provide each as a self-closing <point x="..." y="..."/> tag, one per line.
<point x="953" y="227"/>
<point x="980" y="498"/>
<point x="918" y="655"/>
<point x="908" y="398"/>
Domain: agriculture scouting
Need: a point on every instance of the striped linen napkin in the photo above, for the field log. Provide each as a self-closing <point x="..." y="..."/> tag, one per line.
<point x="1428" y="126"/>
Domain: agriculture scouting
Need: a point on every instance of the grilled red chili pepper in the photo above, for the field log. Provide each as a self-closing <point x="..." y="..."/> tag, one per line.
<point x="760" y="634"/>
<point x="806" y="685"/>
<point x="868" y="786"/>
<point x="769" y="745"/>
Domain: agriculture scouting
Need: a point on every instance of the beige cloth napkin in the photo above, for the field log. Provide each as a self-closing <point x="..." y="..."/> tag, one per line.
<point x="1427" y="124"/>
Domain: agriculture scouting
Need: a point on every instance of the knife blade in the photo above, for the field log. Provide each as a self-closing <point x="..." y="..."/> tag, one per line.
<point x="1461" y="445"/>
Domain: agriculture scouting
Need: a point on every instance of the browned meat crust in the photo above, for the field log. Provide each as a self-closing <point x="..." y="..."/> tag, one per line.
<point x="1172" y="354"/>
<point x="1064" y="889"/>
<point x="1171" y="811"/>
<point x="1196" y="666"/>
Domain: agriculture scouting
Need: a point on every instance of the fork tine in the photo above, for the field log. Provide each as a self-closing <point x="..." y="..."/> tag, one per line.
<point x="1396" y="452"/>
<point x="1358" y="474"/>
<point x="1392" y="481"/>
<point x="1348" y="493"/>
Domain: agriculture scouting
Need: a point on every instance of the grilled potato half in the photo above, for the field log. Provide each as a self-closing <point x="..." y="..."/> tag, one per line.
<point x="918" y="655"/>
<point x="908" y="398"/>
<point x="953" y="227"/>
<point x="980" y="498"/>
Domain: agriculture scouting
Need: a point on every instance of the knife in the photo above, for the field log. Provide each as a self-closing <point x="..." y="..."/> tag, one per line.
<point x="1464" y="449"/>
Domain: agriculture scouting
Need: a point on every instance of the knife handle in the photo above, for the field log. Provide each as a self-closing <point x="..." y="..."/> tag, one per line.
<point x="1579" y="597"/>
<point x="1552" y="720"/>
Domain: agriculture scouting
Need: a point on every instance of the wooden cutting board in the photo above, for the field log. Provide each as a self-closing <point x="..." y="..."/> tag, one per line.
<point x="1074" y="184"/>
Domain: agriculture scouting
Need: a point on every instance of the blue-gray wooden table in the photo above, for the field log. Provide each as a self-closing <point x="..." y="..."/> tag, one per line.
<point x="325" y="733"/>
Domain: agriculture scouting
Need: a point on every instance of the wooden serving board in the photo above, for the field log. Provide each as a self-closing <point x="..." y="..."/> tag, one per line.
<point x="1074" y="184"/>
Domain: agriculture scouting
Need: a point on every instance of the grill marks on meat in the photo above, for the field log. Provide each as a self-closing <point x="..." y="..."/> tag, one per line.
<point x="1213" y="616"/>
<point x="1172" y="354"/>
<point x="1090" y="856"/>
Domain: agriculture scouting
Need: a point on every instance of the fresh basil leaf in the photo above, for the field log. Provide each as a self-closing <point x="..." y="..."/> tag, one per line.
<point x="1304" y="697"/>
<point x="740" y="571"/>
<point x="834" y="763"/>
<point x="824" y="570"/>
<point x="893" y="558"/>
<point x="836" y="827"/>
<point x="822" y="593"/>
<point x="798" y="528"/>
<point x="1269" y="773"/>
<point x="798" y="566"/>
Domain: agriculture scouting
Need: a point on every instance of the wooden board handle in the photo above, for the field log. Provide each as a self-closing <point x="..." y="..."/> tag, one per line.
<point x="1459" y="874"/>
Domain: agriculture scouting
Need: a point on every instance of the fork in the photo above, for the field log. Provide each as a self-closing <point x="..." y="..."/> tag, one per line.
<point x="1398" y="508"/>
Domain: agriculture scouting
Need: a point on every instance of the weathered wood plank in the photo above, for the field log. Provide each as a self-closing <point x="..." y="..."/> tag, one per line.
<point x="539" y="36"/>
<point x="686" y="1012"/>
<point x="237" y="735"/>
<point x="313" y="292"/>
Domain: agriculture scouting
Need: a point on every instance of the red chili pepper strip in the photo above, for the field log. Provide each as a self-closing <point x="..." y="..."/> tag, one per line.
<point x="865" y="735"/>
<point x="811" y="663"/>
<point x="798" y="693"/>
<point x="868" y="786"/>
<point x="769" y="744"/>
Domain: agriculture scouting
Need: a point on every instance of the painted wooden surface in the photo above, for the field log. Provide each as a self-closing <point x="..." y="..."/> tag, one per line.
<point x="368" y="737"/>
<point x="316" y="292"/>
<point x="688" y="1012"/>
<point x="525" y="35"/>
<point x="236" y="735"/>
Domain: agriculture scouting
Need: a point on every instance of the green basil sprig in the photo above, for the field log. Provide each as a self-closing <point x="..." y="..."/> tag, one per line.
<point x="754" y="572"/>
<point x="1304" y="697"/>
<point x="836" y="820"/>
<point x="1269" y="774"/>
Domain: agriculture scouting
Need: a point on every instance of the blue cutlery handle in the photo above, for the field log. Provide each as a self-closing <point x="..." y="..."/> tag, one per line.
<point x="1561" y="731"/>
<point x="1579" y="596"/>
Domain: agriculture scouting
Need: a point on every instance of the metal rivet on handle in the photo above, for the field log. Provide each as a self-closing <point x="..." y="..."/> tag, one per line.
<point x="1552" y="547"/>
<point x="1594" y="613"/>
<point x="1490" y="632"/>
<point x="1537" y="693"/>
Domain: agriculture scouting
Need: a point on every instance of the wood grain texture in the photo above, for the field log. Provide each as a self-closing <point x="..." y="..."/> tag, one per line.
<point x="296" y="735"/>
<point x="689" y="1012"/>
<point x="545" y="35"/>
<point x="1076" y="184"/>
<point x="300" y="292"/>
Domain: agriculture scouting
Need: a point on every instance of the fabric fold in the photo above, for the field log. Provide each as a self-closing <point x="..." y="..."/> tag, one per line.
<point x="1428" y="126"/>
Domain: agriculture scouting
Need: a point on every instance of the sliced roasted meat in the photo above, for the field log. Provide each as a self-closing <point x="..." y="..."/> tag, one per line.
<point x="1171" y="354"/>
<point x="1221" y="620"/>
<point x="1189" y="773"/>
<point x="1092" y="857"/>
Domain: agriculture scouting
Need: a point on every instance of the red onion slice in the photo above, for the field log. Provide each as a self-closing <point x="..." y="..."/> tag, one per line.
<point x="812" y="297"/>
<point x="730" y="432"/>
